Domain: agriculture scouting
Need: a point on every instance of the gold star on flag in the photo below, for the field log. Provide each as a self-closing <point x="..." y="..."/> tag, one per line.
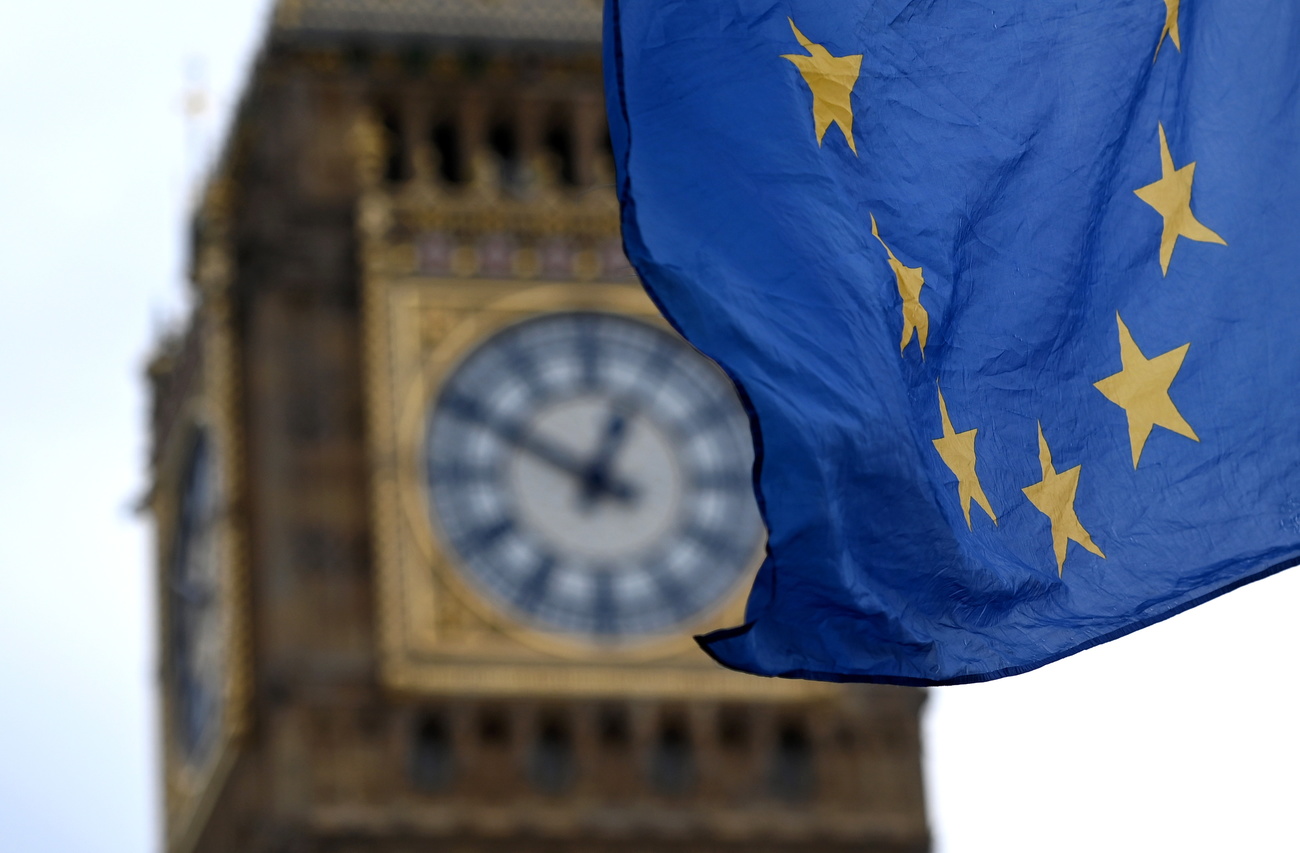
<point x="831" y="79"/>
<point x="1141" y="389"/>
<point x="910" y="281"/>
<point x="1054" y="498"/>
<point x="1171" y="196"/>
<point x="957" y="450"/>
<point x="1171" y="26"/>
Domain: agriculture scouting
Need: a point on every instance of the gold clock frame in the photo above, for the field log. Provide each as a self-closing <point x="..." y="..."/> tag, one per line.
<point x="438" y="633"/>
<point x="621" y="300"/>
<point x="191" y="788"/>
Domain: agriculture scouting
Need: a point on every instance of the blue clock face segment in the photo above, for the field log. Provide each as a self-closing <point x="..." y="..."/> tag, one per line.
<point x="194" y="626"/>
<point x="592" y="475"/>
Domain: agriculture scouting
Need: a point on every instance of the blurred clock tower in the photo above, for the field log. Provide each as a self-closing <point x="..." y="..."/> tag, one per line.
<point x="440" y="500"/>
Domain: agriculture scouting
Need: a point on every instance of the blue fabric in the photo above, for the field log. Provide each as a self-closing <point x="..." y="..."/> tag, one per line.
<point x="999" y="145"/>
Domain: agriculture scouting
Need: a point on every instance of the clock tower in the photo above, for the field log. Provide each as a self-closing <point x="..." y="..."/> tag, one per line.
<point x="440" y="499"/>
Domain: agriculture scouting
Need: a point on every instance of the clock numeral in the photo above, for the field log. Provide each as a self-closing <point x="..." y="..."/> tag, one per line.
<point x="672" y="592"/>
<point x="463" y="407"/>
<point x="659" y="361"/>
<point x="470" y="410"/>
<point x="588" y="345"/>
<point x="523" y="366"/>
<point x="717" y="543"/>
<point x="533" y="591"/>
<point x="711" y="416"/>
<point x="485" y="537"/>
<point x="605" y="607"/>
<point x="458" y="473"/>
<point x="700" y="420"/>
<point x="721" y="481"/>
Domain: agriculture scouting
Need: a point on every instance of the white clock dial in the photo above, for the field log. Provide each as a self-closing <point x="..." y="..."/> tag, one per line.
<point x="592" y="474"/>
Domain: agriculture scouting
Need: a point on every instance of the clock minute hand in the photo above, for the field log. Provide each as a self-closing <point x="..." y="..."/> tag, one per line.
<point x="591" y="478"/>
<point x="469" y="409"/>
<point x="544" y="449"/>
<point x="548" y="451"/>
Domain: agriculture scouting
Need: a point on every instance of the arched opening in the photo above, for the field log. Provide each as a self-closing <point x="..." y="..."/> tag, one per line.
<point x="559" y="143"/>
<point x="551" y="764"/>
<point x="733" y="730"/>
<point x="504" y="143"/>
<point x="397" y="160"/>
<point x="493" y="729"/>
<point x="672" y="761"/>
<point x="793" y="777"/>
<point x="614" y="731"/>
<point x="432" y="757"/>
<point x="446" y="145"/>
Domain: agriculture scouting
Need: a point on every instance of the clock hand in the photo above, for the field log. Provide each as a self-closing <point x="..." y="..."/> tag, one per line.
<point x="538" y="446"/>
<point x="598" y="479"/>
<point x="547" y="451"/>
<point x="516" y="435"/>
<point x="594" y="478"/>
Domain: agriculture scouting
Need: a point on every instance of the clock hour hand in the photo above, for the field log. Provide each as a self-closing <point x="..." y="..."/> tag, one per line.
<point x="598" y="479"/>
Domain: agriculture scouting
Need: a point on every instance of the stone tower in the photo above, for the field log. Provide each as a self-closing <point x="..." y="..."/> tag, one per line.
<point x="440" y="500"/>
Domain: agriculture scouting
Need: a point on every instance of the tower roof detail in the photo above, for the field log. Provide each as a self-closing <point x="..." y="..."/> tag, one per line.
<point x="547" y="21"/>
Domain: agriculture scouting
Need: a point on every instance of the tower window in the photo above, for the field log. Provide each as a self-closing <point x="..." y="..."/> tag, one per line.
<point x="559" y="142"/>
<point x="396" y="156"/>
<point x="415" y="61"/>
<point x="733" y="730"/>
<point x="432" y="759"/>
<point x="451" y="160"/>
<point x="672" y="764"/>
<point x="493" y="729"/>
<point x="551" y="764"/>
<point x="792" y="777"/>
<point x="505" y="145"/>
<point x="614" y="730"/>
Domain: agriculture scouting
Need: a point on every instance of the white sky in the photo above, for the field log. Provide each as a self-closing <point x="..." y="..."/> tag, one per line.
<point x="1181" y="737"/>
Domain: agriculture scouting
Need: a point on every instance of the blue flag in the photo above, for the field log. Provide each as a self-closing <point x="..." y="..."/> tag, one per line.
<point x="1010" y="290"/>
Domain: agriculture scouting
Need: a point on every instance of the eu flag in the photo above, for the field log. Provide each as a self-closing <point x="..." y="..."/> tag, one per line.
<point x="1010" y="290"/>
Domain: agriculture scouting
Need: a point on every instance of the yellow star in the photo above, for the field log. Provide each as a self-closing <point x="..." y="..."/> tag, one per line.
<point x="1171" y="196"/>
<point x="1171" y="26"/>
<point x="1054" y="498"/>
<point x="910" y="281"/>
<point x="831" y="79"/>
<point x="957" y="449"/>
<point x="1141" y="389"/>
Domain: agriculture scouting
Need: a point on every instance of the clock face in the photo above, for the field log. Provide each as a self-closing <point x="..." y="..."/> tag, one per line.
<point x="195" y="630"/>
<point x="592" y="474"/>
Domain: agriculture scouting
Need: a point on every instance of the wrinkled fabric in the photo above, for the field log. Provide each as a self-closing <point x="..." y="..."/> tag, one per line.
<point x="999" y="146"/>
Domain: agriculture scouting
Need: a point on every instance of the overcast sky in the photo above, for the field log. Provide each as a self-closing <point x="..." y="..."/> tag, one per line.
<point x="1181" y="737"/>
